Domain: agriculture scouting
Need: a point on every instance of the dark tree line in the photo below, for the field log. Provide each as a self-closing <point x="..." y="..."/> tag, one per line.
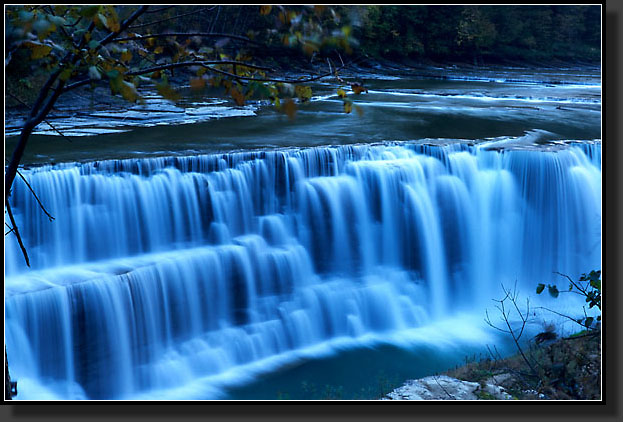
<point x="483" y="33"/>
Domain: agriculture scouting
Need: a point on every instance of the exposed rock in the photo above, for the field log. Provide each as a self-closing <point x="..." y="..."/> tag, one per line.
<point x="443" y="387"/>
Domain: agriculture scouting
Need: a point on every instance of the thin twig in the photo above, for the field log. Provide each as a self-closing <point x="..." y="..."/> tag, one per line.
<point x="35" y="195"/>
<point x="188" y="34"/>
<point x="441" y="386"/>
<point x="44" y="120"/>
<point x="16" y="231"/>
<point x="141" y="25"/>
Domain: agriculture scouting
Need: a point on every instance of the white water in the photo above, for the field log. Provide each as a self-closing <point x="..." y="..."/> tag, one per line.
<point x="165" y="273"/>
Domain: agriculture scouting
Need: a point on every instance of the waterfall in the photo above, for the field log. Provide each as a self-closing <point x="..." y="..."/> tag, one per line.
<point x="158" y="272"/>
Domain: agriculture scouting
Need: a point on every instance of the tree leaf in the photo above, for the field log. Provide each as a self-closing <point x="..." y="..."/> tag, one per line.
<point x="65" y="74"/>
<point x="94" y="74"/>
<point x="290" y="109"/>
<point x="167" y="92"/>
<point x="43" y="28"/>
<point x="341" y="93"/>
<point x="237" y="96"/>
<point x="539" y="288"/>
<point x="126" y="56"/>
<point x="265" y="10"/>
<point x="358" y="88"/>
<point x="197" y="83"/>
<point x="128" y="91"/>
<point x="38" y="50"/>
<point x="348" y="107"/>
<point x="101" y="21"/>
<point x="553" y="291"/>
<point x="303" y="93"/>
<point x="89" y="11"/>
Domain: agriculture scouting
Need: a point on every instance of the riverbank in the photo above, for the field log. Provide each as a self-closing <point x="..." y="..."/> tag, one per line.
<point x="567" y="368"/>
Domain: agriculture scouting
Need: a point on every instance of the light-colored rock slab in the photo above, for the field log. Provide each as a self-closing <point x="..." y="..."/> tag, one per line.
<point x="442" y="387"/>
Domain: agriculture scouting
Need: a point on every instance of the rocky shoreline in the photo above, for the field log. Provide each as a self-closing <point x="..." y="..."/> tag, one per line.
<point x="569" y="368"/>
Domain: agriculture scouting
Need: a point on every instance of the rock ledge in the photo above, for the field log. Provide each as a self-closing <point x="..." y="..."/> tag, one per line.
<point x="443" y="387"/>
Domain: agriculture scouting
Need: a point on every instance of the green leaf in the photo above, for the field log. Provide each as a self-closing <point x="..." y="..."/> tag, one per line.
<point x="25" y="16"/>
<point x="89" y="11"/>
<point x="553" y="290"/>
<point x="588" y="322"/>
<point x="116" y="80"/>
<point x="94" y="73"/>
<point x="93" y="44"/>
<point x="101" y="21"/>
<point x="539" y="288"/>
<point x="43" y="28"/>
<point x="65" y="74"/>
<point x="57" y="20"/>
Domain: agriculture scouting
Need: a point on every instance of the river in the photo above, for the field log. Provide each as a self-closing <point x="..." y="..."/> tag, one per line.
<point x="206" y="251"/>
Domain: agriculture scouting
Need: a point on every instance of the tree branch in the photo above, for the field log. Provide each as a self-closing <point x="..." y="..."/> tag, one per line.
<point x="204" y="63"/>
<point x="189" y="34"/>
<point x="35" y="195"/>
<point x="16" y="231"/>
<point x="141" y="25"/>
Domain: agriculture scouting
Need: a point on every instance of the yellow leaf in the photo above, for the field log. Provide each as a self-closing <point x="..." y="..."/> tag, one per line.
<point x="319" y="9"/>
<point x="38" y="50"/>
<point x="237" y="96"/>
<point x="167" y="92"/>
<point x="341" y="93"/>
<point x="310" y="48"/>
<point x="126" y="56"/>
<point x="197" y="83"/>
<point x="159" y="49"/>
<point x="289" y="108"/>
<point x="128" y="91"/>
<point x="348" y="107"/>
<point x="265" y="10"/>
<point x="358" y="88"/>
<point x="304" y="93"/>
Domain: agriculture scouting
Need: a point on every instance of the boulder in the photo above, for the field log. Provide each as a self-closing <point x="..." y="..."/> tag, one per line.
<point x="443" y="387"/>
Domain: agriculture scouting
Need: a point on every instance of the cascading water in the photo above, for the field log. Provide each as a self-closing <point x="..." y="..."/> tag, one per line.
<point x="161" y="272"/>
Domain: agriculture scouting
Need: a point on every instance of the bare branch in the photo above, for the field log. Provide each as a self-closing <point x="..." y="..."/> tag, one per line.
<point x="141" y="25"/>
<point x="162" y="9"/>
<point x="44" y="120"/>
<point x="187" y="35"/>
<point x="35" y="195"/>
<point x="16" y="231"/>
<point x="196" y="63"/>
